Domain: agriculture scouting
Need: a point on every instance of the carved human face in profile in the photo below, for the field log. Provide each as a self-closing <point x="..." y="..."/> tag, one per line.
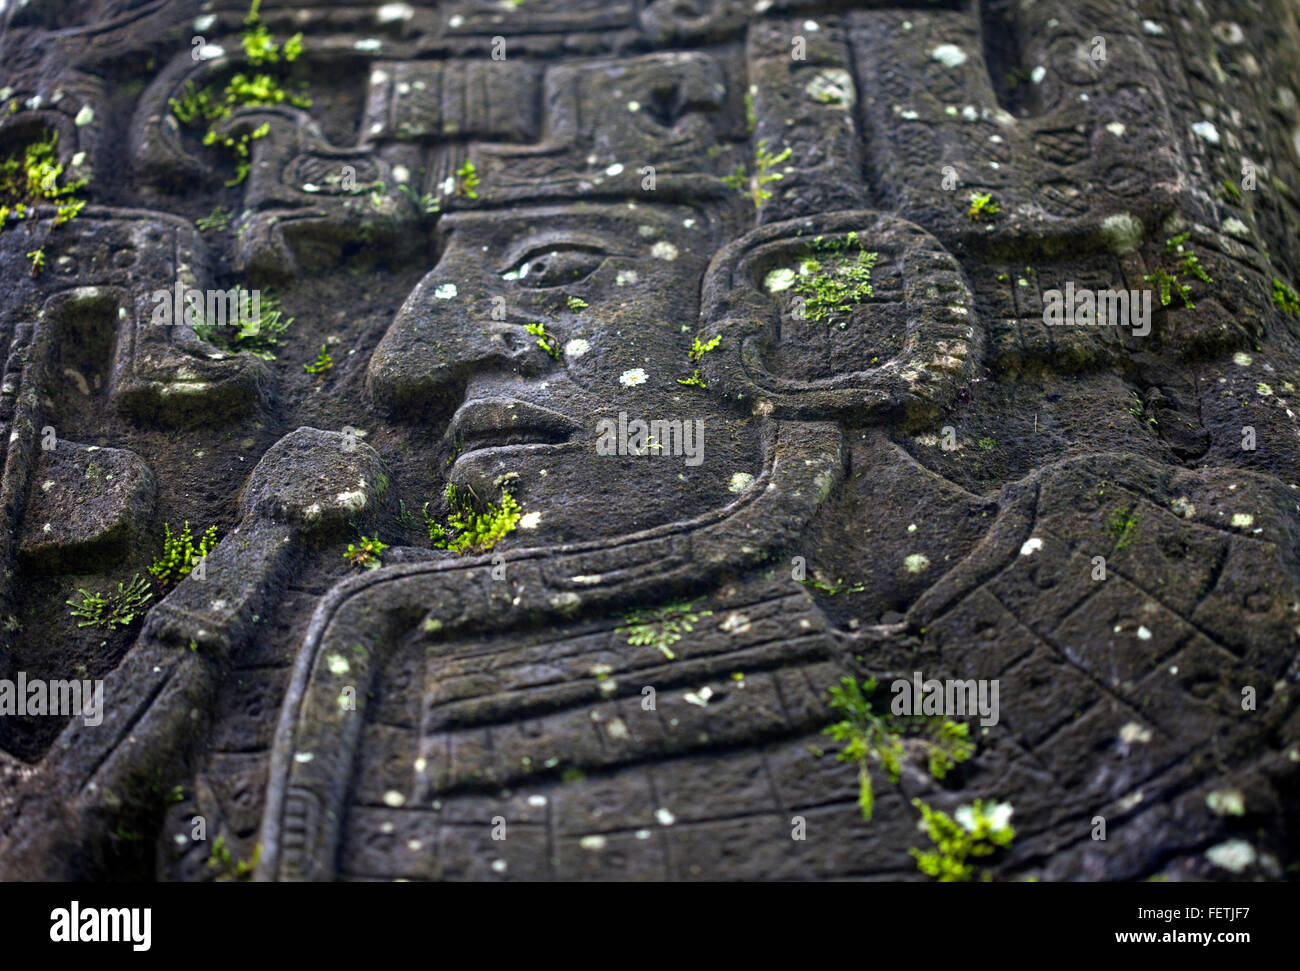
<point x="615" y="288"/>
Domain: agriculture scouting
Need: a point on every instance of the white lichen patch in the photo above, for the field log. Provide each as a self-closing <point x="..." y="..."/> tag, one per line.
<point x="593" y="843"/>
<point x="664" y="817"/>
<point x="1235" y="856"/>
<point x="576" y="347"/>
<point x="664" y="250"/>
<point x="832" y="87"/>
<point x="1235" y="227"/>
<point x="1243" y="520"/>
<point x="633" y="377"/>
<point x="1133" y="733"/>
<point x="916" y="563"/>
<point x="1116" y="128"/>
<point x="394" y="798"/>
<point x="354" y="500"/>
<point x="949" y="55"/>
<point x="392" y="12"/>
<point x="530" y="520"/>
<point x="1226" y="802"/>
<point x="624" y="277"/>
<point x="1242" y="359"/>
<point x="1123" y="232"/>
<point x="84" y="117"/>
<point x="779" y="279"/>
<point x="338" y="664"/>
<point x="1206" y="131"/>
<point x="614" y="169"/>
<point x="445" y="291"/>
<point x="1184" y="507"/>
<point x="1031" y="546"/>
<point x="740" y="481"/>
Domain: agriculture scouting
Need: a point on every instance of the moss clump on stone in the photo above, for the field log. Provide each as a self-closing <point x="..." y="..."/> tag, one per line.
<point x="179" y="554"/>
<point x="972" y="833"/>
<point x="982" y="206"/>
<point x="753" y="185"/>
<point x="469" y="530"/>
<point x="870" y="738"/>
<point x="115" y="609"/>
<point x="365" y="552"/>
<point x="196" y="107"/>
<point x="1285" y="298"/>
<point x="259" y="334"/>
<point x="31" y="177"/>
<point x="661" y="627"/>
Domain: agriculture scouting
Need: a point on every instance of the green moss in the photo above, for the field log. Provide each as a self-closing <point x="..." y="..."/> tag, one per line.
<point x="982" y="206"/>
<point x="696" y="353"/>
<point x="195" y="108"/>
<point x="219" y="220"/>
<point x="259" y="336"/>
<point x="1230" y="188"/>
<point x="365" y="552"/>
<point x="179" y="554"/>
<point x="828" y="282"/>
<point x="545" y="339"/>
<point x="977" y="832"/>
<point x="469" y="529"/>
<point x="753" y="185"/>
<point x="576" y="303"/>
<point x="114" y="610"/>
<point x="34" y="176"/>
<point x="226" y="867"/>
<point x="323" y="362"/>
<point x="1124" y="527"/>
<point x="1187" y="262"/>
<point x="869" y="738"/>
<point x="830" y="587"/>
<point x="661" y="627"/>
<point x="467" y="180"/>
<point x="1285" y="298"/>
<point x="986" y="443"/>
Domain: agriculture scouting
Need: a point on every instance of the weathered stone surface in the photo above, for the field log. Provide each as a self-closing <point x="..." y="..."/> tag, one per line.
<point x="495" y="232"/>
<point x="87" y="507"/>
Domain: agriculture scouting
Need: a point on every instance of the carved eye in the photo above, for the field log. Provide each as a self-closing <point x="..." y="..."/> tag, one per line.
<point x="556" y="267"/>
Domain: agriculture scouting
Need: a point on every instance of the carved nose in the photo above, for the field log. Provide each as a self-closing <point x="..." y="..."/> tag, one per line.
<point x="435" y="344"/>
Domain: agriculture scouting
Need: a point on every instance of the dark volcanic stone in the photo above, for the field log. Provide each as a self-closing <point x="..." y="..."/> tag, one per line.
<point x="820" y="249"/>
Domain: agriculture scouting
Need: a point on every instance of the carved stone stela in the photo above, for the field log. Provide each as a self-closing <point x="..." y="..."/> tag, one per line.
<point x="562" y="397"/>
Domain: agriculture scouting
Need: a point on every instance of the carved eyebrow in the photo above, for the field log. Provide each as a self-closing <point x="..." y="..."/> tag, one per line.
<point x="558" y="240"/>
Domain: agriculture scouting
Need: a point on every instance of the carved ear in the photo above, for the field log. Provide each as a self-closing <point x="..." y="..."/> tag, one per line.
<point x="850" y="315"/>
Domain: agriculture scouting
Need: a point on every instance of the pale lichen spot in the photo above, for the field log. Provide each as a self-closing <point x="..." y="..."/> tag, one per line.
<point x="530" y="520"/>
<point x="664" y="250"/>
<point x="1031" y="546"/>
<point x="576" y="347"/>
<point x="1243" y="520"/>
<point x="740" y="481"/>
<point x="394" y="799"/>
<point x="779" y="279"/>
<point x="1123" y="233"/>
<point x="445" y="291"/>
<point x="916" y="563"/>
<point x="1235" y="856"/>
<point x="1206" y="131"/>
<point x="949" y="55"/>
<point x="633" y="377"/>
<point x="1133" y="733"/>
